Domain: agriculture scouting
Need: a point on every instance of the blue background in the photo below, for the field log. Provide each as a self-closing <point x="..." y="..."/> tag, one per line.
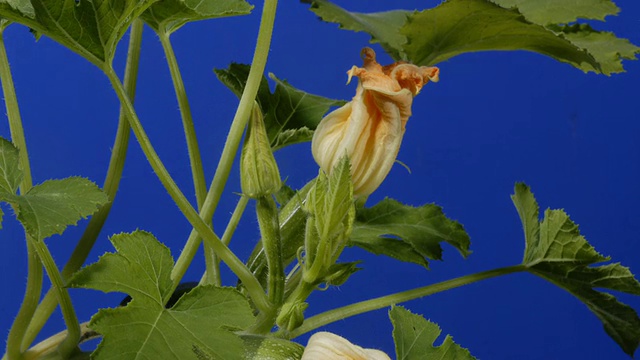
<point x="494" y="119"/>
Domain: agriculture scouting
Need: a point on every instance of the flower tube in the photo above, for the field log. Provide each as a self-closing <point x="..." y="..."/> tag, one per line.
<point x="370" y="127"/>
<point x="328" y="346"/>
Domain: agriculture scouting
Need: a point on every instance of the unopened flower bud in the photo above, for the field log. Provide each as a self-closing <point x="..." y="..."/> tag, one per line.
<point x="259" y="174"/>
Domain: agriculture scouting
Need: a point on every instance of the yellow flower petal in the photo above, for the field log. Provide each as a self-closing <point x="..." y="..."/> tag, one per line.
<point x="369" y="129"/>
<point x="328" y="346"/>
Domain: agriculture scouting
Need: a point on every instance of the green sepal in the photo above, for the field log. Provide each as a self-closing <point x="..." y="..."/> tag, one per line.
<point x="259" y="174"/>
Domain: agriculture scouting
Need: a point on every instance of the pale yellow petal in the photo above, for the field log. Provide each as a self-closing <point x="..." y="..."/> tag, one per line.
<point x="328" y="346"/>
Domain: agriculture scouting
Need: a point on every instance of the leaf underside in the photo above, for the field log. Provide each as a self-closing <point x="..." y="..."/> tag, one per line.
<point x="456" y="27"/>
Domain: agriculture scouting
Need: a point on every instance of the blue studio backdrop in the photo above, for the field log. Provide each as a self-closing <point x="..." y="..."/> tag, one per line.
<point x="495" y="118"/>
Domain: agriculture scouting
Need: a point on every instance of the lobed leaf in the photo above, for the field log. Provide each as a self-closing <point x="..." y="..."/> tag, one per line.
<point x="557" y="252"/>
<point x="414" y="337"/>
<point x="605" y="47"/>
<point x="406" y="233"/>
<point x="290" y="114"/>
<point x="199" y="325"/>
<point x="456" y="27"/>
<point x="382" y="26"/>
<point x="545" y="12"/>
<point x="168" y="16"/>
<point x="50" y="207"/>
<point x="92" y="28"/>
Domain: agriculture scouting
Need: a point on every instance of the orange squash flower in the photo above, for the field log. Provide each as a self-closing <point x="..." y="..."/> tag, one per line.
<point x="370" y="127"/>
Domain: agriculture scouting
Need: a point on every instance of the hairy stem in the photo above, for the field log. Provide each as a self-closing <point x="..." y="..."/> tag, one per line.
<point x="361" y="307"/>
<point x="197" y="170"/>
<point x="267" y="214"/>
<point x="110" y="187"/>
<point x="35" y="274"/>
<point x="233" y="137"/>
<point x="200" y="227"/>
<point x="70" y="344"/>
<point x="226" y="239"/>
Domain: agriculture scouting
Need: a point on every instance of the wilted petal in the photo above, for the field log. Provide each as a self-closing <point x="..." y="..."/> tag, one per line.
<point x="369" y="129"/>
<point x="328" y="346"/>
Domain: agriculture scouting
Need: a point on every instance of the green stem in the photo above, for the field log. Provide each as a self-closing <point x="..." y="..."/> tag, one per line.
<point x="344" y="312"/>
<point x="111" y="184"/>
<point x="195" y="160"/>
<point x="35" y="274"/>
<point x="197" y="170"/>
<point x="245" y="106"/>
<point x="236" y="265"/>
<point x="233" y="137"/>
<point x="267" y="214"/>
<point x="212" y="275"/>
<point x="70" y="344"/>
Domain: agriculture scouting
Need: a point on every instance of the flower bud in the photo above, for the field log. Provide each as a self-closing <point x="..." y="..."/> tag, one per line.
<point x="328" y="346"/>
<point x="369" y="128"/>
<point x="259" y="174"/>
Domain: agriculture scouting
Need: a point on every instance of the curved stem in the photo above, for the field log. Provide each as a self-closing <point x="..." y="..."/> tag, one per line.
<point x="361" y="307"/>
<point x="111" y="184"/>
<point x="70" y="344"/>
<point x="234" y="136"/>
<point x="35" y="274"/>
<point x="200" y="227"/>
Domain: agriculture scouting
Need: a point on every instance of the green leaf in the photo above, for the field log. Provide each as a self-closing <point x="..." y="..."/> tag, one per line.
<point x="168" y="16"/>
<point x="92" y="28"/>
<point x="557" y="252"/>
<point x="199" y="325"/>
<point x="414" y="337"/>
<point x="50" y="207"/>
<point x="22" y="7"/>
<point x="545" y="12"/>
<point x="406" y="233"/>
<point x="382" y="26"/>
<point x="10" y="173"/>
<point x="460" y="26"/>
<point x="289" y="114"/>
<point x="605" y="47"/>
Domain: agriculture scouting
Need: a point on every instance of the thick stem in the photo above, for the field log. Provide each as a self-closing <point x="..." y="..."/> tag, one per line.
<point x="200" y="227"/>
<point x="111" y="184"/>
<point x="270" y="232"/>
<point x="344" y="312"/>
<point x="35" y="274"/>
<point x="234" y="136"/>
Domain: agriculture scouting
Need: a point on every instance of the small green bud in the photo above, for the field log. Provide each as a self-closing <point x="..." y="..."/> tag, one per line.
<point x="292" y="315"/>
<point x="259" y="174"/>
